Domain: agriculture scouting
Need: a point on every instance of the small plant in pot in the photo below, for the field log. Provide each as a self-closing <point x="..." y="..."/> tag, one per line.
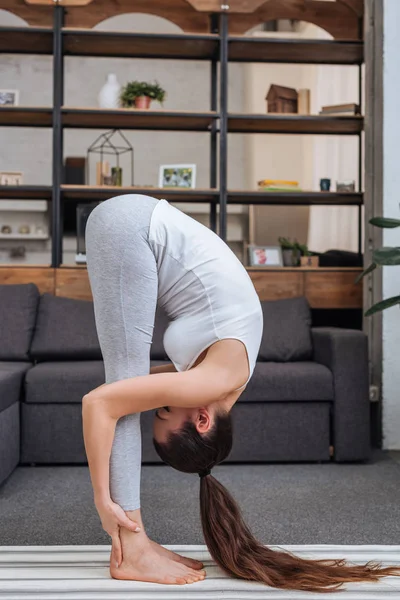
<point x="307" y="258"/>
<point x="139" y="94"/>
<point x="290" y="252"/>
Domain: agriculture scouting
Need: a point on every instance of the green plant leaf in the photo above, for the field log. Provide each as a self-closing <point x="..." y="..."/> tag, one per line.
<point x="386" y="256"/>
<point x="368" y="270"/>
<point x="384" y="222"/>
<point x="379" y="306"/>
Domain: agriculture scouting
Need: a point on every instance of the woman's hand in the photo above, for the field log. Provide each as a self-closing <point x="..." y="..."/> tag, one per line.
<point x="113" y="517"/>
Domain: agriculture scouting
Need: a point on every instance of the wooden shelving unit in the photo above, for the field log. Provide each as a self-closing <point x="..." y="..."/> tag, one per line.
<point x="245" y="49"/>
<point x="80" y="42"/>
<point x="296" y="198"/>
<point x="218" y="46"/>
<point x="28" y="116"/>
<point x="87" y="193"/>
<point x="26" y="192"/>
<point x="293" y="124"/>
<point x="159" y="120"/>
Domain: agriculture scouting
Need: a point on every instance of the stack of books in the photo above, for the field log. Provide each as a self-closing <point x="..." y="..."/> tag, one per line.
<point x="278" y="185"/>
<point x="340" y="109"/>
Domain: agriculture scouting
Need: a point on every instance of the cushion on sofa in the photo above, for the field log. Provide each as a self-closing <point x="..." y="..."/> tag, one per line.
<point x="291" y="381"/>
<point x="286" y="333"/>
<point x="65" y="329"/>
<point x="18" y="308"/>
<point x="66" y="382"/>
<point x="11" y="377"/>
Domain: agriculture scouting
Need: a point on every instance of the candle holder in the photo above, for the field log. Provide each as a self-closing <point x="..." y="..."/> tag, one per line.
<point x="110" y="144"/>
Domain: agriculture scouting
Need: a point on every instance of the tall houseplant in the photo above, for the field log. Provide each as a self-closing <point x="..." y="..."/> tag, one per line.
<point x="386" y="256"/>
<point x="139" y="94"/>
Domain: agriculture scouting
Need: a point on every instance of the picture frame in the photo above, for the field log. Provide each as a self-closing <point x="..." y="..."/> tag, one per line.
<point x="9" y="97"/>
<point x="265" y="256"/>
<point x="181" y="176"/>
<point x="11" y="178"/>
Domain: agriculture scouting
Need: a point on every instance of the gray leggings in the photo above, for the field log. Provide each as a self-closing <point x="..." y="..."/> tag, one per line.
<point x="124" y="281"/>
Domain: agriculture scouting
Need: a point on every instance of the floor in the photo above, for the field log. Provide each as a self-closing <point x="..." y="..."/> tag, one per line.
<point x="283" y="504"/>
<point x="81" y="573"/>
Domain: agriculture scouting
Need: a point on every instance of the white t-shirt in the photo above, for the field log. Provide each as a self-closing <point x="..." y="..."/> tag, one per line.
<point x="203" y="287"/>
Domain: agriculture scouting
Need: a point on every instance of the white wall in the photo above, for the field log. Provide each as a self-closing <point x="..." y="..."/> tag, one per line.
<point x="391" y="201"/>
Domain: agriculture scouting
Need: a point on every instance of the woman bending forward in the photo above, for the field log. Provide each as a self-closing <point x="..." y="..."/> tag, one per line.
<point x="140" y="252"/>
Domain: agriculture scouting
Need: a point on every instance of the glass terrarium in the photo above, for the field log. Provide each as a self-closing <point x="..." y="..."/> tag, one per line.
<point x="82" y="214"/>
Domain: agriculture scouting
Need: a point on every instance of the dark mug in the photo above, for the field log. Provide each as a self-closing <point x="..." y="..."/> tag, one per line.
<point x="325" y="185"/>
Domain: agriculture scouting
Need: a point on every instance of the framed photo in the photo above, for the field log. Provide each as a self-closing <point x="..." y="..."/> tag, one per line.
<point x="11" y="178"/>
<point x="9" y="97"/>
<point x="265" y="256"/>
<point x="177" y="176"/>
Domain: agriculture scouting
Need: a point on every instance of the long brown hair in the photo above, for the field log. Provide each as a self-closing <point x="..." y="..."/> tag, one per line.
<point x="230" y="541"/>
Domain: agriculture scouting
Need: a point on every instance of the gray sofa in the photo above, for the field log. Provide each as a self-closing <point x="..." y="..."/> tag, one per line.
<point x="309" y="390"/>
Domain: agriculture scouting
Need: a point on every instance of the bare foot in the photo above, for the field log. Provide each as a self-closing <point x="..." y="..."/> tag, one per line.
<point x="189" y="562"/>
<point x="142" y="562"/>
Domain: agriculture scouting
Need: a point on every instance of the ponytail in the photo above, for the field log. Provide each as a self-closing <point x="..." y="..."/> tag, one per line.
<point x="230" y="541"/>
<point x="240" y="555"/>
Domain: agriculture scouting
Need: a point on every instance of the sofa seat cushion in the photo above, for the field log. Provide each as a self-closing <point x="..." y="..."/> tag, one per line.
<point x="18" y="308"/>
<point x="65" y="330"/>
<point x="289" y="382"/>
<point x="63" y="382"/>
<point x="11" y="377"/>
<point x="287" y="330"/>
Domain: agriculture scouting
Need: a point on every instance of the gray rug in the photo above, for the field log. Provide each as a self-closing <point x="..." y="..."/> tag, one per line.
<point x="283" y="504"/>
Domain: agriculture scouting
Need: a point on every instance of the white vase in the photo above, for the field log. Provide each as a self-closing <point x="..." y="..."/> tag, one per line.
<point x="110" y="92"/>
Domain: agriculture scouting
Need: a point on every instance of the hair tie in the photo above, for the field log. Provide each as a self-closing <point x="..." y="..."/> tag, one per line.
<point x="205" y="473"/>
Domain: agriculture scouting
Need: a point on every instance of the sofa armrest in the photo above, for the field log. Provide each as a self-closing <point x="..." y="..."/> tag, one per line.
<point x="345" y="353"/>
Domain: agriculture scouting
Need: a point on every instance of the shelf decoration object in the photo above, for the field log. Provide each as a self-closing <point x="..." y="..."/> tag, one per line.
<point x="281" y="99"/>
<point x="177" y="176"/>
<point x="109" y="95"/>
<point x="325" y="184"/>
<point x="265" y="256"/>
<point x="112" y="143"/>
<point x="304" y="101"/>
<point x="278" y="185"/>
<point x="338" y="110"/>
<point x="139" y="94"/>
<point x="11" y="178"/>
<point x="9" y="97"/>
<point x="6" y="229"/>
<point x="346" y="187"/>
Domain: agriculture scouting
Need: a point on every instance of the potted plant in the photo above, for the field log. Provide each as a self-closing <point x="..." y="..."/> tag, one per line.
<point x="290" y="252"/>
<point x="139" y="94"/>
<point x="307" y="258"/>
<point x="386" y="256"/>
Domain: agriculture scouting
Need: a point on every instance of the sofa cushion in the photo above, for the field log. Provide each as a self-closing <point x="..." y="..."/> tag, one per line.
<point x="11" y="377"/>
<point x="65" y="330"/>
<point x="18" y="308"/>
<point x="286" y="333"/>
<point x="64" y="382"/>
<point x="289" y="382"/>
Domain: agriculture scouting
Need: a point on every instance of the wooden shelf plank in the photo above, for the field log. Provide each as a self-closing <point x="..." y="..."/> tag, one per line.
<point x="295" y="198"/>
<point x="26" y="192"/>
<point x="26" y="116"/>
<point x="167" y="120"/>
<point x="26" y="40"/>
<point x="293" y="124"/>
<point x="87" y="193"/>
<point x="253" y="49"/>
<point x="82" y="42"/>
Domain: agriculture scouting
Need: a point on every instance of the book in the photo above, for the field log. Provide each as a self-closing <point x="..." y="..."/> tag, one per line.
<point x="266" y="182"/>
<point x="341" y="108"/>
